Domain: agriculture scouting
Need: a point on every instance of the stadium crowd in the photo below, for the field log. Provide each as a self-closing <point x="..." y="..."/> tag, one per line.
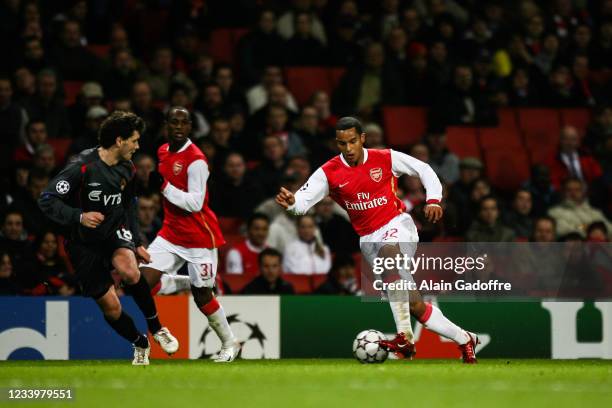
<point x="467" y="65"/>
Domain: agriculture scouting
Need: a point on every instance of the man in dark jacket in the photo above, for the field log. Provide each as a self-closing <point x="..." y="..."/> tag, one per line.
<point x="269" y="282"/>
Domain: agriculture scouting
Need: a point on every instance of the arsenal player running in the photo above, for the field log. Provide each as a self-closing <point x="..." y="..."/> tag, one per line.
<point x="190" y="232"/>
<point x="362" y="181"/>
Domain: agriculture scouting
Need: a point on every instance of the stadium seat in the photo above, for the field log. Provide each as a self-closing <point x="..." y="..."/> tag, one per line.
<point x="301" y="283"/>
<point x="304" y="81"/>
<point x="541" y="153"/>
<point x="507" y="118"/>
<point x="60" y="147"/>
<point x="576" y="117"/>
<point x="99" y="50"/>
<point x="499" y="138"/>
<point x="223" y="42"/>
<point x="236" y="282"/>
<point x="404" y="125"/>
<point x="230" y="225"/>
<point x="335" y="76"/>
<point x="71" y="91"/>
<point x="507" y="169"/>
<point x="462" y="141"/>
<point x="539" y="126"/>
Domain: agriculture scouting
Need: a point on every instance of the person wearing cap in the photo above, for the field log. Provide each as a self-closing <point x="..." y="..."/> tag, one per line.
<point x="470" y="170"/>
<point x="91" y="94"/>
<point x="89" y="137"/>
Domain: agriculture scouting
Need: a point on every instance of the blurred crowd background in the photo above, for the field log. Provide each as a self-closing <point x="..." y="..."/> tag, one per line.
<point x="508" y="101"/>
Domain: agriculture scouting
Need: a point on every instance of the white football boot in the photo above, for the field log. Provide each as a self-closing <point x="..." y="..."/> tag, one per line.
<point x="228" y="353"/>
<point x="141" y="356"/>
<point x="166" y="340"/>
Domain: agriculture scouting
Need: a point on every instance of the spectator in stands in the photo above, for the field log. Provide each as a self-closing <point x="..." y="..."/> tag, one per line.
<point x="396" y="48"/>
<point x="277" y="97"/>
<point x="179" y="96"/>
<point x="25" y="85"/>
<point x="599" y="129"/>
<point x="336" y="230"/>
<point x="242" y="258"/>
<point x="34" y="220"/>
<point x="488" y="228"/>
<point x="144" y="164"/>
<point x="597" y="232"/>
<point x="44" y="160"/>
<point x="234" y="193"/>
<point x="14" y="240"/>
<point x="72" y="59"/>
<point x="161" y="75"/>
<point x="123" y="73"/>
<point x="36" y="135"/>
<point x="374" y="136"/>
<point x="548" y="56"/>
<point x="90" y="95"/>
<point x="542" y="191"/>
<point x="470" y="170"/>
<point x="308" y="128"/>
<point x="343" y="47"/>
<point x="571" y="161"/>
<point x="287" y="23"/>
<point x="441" y="160"/>
<point x="211" y="102"/>
<point x="272" y="167"/>
<point x="52" y="270"/>
<point x="420" y="151"/>
<point x="34" y="56"/>
<point x="342" y="278"/>
<point x="232" y="94"/>
<point x="460" y="104"/>
<point x="269" y="282"/>
<point x="307" y="255"/>
<point x="367" y="86"/>
<point x="575" y="214"/>
<point x="320" y="101"/>
<point x="586" y="93"/>
<point x="260" y="49"/>
<point x="8" y="282"/>
<point x="559" y="92"/>
<point x="521" y="93"/>
<point x="89" y="138"/>
<point x="148" y="220"/>
<point x="13" y="120"/>
<point x="518" y="218"/>
<point x="277" y="123"/>
<point x="142" y="105"/>
<point x="303" y="48"/>
<point x="48" y="106"/>
<point x="544" y="230"/>
<point x="603" y="48"/>
<point x="439" y="65"/>
<point x="221" y="138"/>
<point x="261" y="94"/>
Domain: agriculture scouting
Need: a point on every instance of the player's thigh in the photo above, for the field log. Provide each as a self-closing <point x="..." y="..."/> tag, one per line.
<point x="203" y="271"/>
<point x="92" y="267"/>
<point x="163" y="258"/>
<point x="124" y="261"/>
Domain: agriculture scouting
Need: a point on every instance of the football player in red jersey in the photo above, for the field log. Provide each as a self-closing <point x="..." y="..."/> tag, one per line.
<point x="362" y="181"/>
<point x="190" y="233"/>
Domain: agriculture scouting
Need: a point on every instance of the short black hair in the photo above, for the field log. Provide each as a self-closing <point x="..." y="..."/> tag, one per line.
<point x="175" y="108"/>
<point x="33" y="121"/>
<point x="119" y="124"/>
<point x="268" y="252"/>
<point x="349" y="122"/>
<point x="545" y="218"/>
<point x="597" y="225"/>
<point x="257" y="216"/>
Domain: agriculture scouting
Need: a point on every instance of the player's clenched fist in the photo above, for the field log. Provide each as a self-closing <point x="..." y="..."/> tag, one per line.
<point x="285" y="198"/>
<point x="433" y="212"/>
<point x="91" y="219"/>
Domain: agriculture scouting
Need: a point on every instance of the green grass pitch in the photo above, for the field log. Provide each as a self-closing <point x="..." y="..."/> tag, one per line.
<point x="317" y="383"/>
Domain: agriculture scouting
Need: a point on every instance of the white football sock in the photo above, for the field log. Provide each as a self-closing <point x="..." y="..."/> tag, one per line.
<point x="173" y="283"/>
<point x="218" y="322"/>
<point x="401" y="315"/>
<point x="438" y="323"/>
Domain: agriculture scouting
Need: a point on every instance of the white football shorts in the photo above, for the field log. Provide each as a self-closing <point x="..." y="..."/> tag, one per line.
<point x="169" y="258"/>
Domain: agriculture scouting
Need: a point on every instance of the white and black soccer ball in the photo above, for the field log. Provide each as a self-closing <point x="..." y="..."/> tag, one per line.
<point x="367" y="349"/>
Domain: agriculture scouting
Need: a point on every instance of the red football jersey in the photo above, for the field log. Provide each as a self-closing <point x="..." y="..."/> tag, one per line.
<point x="366" y="192"/>
<point x="199" y="229"/>
<point x="250" y="259"/>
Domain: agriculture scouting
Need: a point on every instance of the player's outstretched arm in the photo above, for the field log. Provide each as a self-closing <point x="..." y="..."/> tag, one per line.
<point x="315" y="189"/>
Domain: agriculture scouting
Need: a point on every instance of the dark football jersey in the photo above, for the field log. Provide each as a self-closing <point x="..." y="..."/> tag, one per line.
<point x="89" y="184"/>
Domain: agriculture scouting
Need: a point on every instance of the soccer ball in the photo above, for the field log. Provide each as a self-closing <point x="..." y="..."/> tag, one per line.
<point x="367" y="349"/>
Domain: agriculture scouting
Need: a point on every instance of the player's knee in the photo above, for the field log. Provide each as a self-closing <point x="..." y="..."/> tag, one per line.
<point x="152" y="276"/>
<point x="131" y="276"/>
<point x="112" y="310"/>
<point x="417" y="308"/>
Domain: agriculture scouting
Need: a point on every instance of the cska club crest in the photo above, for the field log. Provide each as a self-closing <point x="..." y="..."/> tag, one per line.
<point x="177" y="167"/>
<point x="376" y="174"/>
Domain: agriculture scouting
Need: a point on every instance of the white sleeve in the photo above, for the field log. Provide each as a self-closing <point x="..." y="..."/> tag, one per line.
<point x="315" y="189"/>
<point x="192" y="199"/>
<point x="233" y="262"/>
<point x="401" y="163"/>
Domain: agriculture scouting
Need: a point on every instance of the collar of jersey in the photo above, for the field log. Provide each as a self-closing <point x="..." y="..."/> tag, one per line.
<point x="185" y="146"/>
<point x="365" y="157"/>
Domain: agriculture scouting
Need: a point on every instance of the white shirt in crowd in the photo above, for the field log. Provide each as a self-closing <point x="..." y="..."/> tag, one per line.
<point x="300" y="258"/>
